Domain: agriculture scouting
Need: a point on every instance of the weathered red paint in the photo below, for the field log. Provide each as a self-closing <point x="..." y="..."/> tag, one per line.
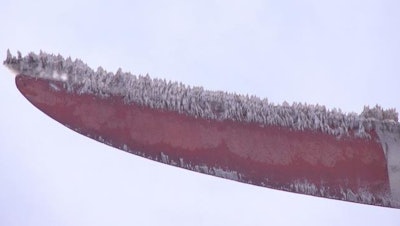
<point x="270" y="156"/>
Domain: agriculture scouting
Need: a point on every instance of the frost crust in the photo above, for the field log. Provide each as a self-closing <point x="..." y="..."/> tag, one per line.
<point x="196" y="101"/>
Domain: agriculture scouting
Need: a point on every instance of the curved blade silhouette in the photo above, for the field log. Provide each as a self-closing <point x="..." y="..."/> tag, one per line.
<point x="299" y="148"/>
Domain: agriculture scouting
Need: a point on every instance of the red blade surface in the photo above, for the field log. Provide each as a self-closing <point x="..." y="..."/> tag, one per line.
<point x="347" y="167"/>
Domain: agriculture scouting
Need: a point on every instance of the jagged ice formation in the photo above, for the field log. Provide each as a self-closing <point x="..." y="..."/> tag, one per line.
<point x="198" y="102"/>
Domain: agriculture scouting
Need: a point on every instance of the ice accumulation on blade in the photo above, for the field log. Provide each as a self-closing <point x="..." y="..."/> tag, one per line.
<point x="361" y="195"/>
<point x="196" y="101"/>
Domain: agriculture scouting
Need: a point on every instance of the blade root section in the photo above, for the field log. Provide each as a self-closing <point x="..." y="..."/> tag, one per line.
<point x="307" y="162"/>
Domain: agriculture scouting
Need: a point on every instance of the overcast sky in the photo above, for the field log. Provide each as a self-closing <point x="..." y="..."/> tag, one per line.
<point x="338" y="53"/>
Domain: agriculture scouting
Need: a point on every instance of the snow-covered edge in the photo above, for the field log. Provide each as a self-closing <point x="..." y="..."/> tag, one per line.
<point x="196" y="101"/>
<point x="361" y="195"/>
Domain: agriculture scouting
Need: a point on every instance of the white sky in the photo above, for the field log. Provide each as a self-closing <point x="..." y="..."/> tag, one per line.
<point x="339" y="53"/>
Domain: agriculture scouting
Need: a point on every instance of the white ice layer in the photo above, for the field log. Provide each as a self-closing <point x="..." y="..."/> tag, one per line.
<point x="196" y="101"/>
<point x="361" y="195"/>
<point x="390" y="141"/>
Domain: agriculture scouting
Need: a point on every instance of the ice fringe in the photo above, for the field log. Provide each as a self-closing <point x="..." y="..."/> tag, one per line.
<point x="361" y="195"/>
<point x="195" y="101"/>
